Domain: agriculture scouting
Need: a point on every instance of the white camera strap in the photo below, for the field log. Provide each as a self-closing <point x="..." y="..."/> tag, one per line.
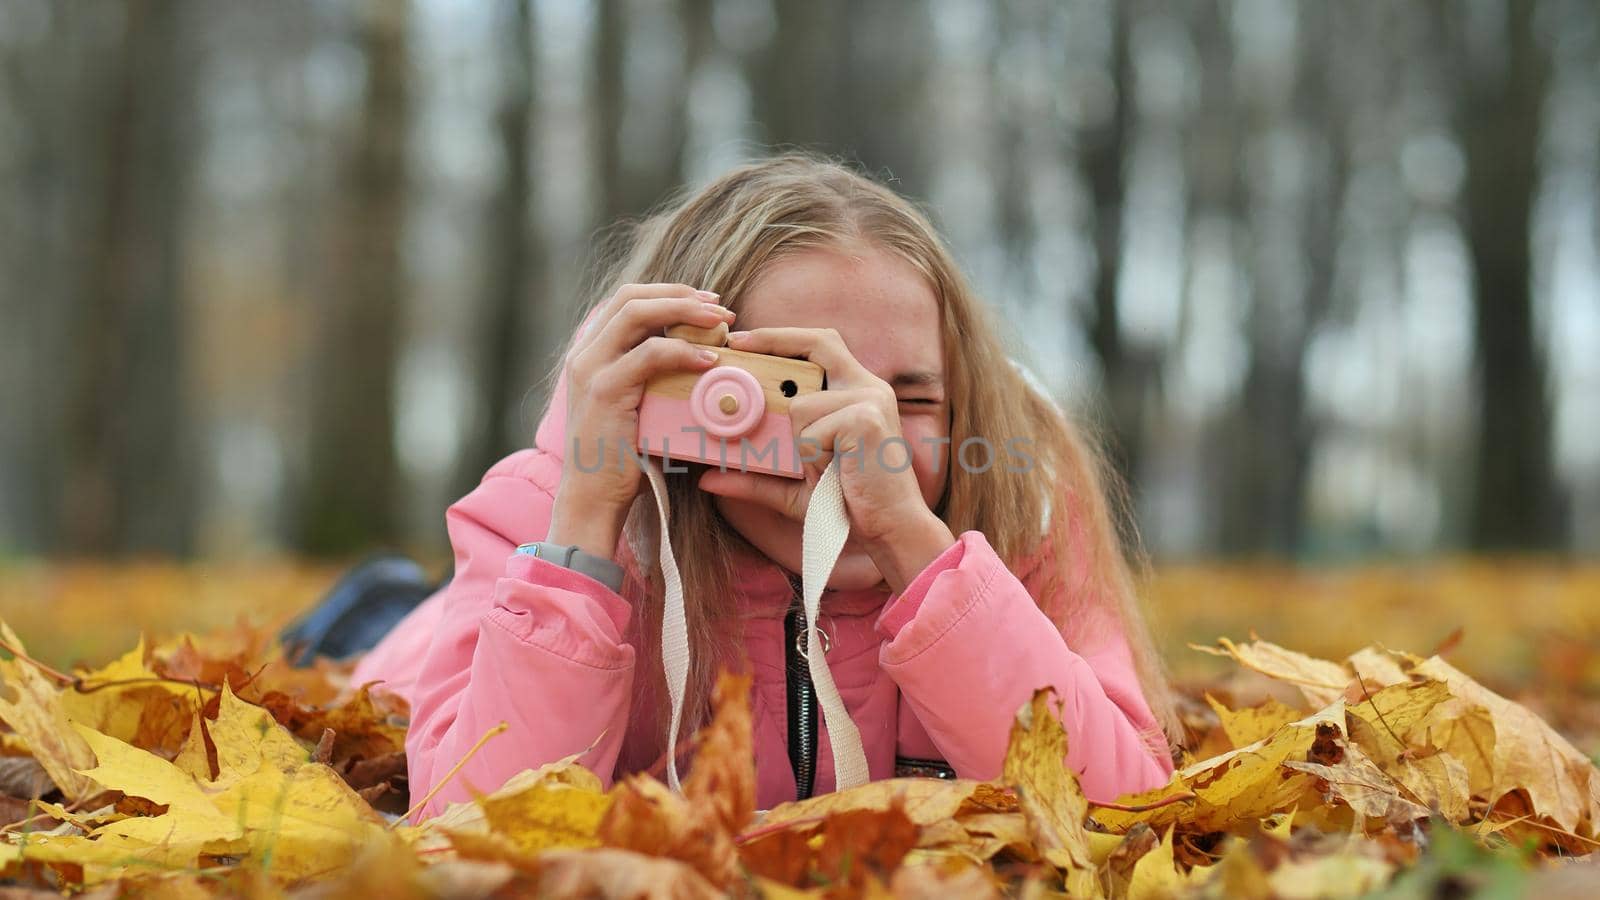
<point x="827" y="526"/>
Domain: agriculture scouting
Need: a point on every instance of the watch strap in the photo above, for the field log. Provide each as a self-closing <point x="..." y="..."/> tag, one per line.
<point x="603" y="570"/>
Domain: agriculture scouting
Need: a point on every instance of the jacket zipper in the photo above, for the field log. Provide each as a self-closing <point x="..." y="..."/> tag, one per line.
<point x="802" y="698"/>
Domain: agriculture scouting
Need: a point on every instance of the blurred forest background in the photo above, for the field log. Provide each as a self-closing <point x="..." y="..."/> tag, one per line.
<point x="283" y="278"/>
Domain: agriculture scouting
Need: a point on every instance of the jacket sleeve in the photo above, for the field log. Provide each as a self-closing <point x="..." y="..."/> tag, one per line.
<point x="521" y="641"/>
<point x="968" y="646"/>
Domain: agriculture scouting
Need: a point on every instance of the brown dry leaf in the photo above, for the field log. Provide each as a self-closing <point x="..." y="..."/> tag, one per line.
<point x="1320" y="681"/>
<point x="1560" y="781"/>
<point x="990" y="833"/>
<point x="618" y="875"/>
<point x="31" y="704"/>
<point x="1048" y="793"/>
<point x="862" y="844"/>
<point x="1378" y="667"/>
<point x="947" y="877"/>
<point x="718" y="800"/>
<point x="362" y="729"/>
<point x="647" y="817"/>
<point x="923" y="800"/>
<point x="721" y="786"/>
<point x="128" y="701"/>
<point x="1361" y="785"/>
<point x="1246" y="726"/>
<point x="23" y="777"/>
<point x="782" y="857"/>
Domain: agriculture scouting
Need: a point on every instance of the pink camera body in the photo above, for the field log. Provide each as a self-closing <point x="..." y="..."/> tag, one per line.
<point x="734" y="416"/>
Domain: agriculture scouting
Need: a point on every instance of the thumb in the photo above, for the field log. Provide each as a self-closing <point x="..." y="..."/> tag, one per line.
<point x="787" y="496"/>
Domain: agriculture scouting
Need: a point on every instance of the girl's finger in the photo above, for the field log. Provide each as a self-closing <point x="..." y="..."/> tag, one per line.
<point x="822" y="346"/>
<point x="842" y="432"/>
<point x="643" y="317"/>
<point x="787" y="496"/>
<point x="653" y="356"/>
<point x="608" y="309"/>
<point x="808" y="408"/>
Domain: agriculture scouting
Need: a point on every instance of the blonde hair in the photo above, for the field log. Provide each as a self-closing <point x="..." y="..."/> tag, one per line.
<point x="720" y="238"/>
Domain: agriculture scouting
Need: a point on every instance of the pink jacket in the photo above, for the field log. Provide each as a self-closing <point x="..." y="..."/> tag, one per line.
<point x="937" y="672"/>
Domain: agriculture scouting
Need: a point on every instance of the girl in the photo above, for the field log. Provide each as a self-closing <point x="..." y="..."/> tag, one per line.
<point x="982" y="560"/>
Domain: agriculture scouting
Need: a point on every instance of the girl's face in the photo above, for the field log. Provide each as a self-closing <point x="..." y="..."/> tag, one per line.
<point x="888" y="315"/>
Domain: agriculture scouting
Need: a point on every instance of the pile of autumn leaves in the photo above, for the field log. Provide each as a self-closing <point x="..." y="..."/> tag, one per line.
<point x="208" y="766"/>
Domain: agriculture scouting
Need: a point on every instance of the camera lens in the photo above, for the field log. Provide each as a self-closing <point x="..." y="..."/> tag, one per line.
<point x="789" y="388"/>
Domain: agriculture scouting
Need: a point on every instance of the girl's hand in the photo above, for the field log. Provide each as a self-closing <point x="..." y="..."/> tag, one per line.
<point x="620" y="350"/>
<point x="857" y="418"/>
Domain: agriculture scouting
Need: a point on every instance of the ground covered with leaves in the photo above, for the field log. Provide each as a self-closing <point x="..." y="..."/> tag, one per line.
<point x="205" y="765"/>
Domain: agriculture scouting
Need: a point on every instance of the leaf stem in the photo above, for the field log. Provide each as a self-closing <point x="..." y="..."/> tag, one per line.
<point x="1180" y="797"/>
<point x="496" y="730"/>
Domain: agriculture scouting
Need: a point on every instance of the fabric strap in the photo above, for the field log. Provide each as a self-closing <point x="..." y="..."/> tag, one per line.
<point x="827" y="526"/>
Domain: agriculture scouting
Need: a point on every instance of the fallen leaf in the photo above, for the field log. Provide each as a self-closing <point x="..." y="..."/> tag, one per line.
<point x="1156" y="873"/>
<point x="1048" y="792"/>
<point x="1321" y="681"/>
<point x="31" y="704"/>
<point x="1246" y="726"/>
<point x="1561" y="782"/>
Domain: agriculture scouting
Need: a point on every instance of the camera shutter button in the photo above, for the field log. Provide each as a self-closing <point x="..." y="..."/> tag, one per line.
<point x="727" y="402"/>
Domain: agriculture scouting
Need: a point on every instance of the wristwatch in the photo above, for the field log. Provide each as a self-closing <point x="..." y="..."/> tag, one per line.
<point x="599" y="568"/>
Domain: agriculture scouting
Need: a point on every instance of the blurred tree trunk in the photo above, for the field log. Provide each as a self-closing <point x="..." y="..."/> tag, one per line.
<point x="129" y="483"/>
<point x="1213" y="143"/>
<point x="1517" y="505"/>
<point x="516" y="261"/>
<point x="1272" y="446"/>
<point x="796" y="81"/>
<point x="699" y="41"/>
<point x="611" y="105"/>
<point x="350" y="491"/>
<point x="847" y="80"/>
<point x="630" y="189"/>
<point x="1128" y="373"/>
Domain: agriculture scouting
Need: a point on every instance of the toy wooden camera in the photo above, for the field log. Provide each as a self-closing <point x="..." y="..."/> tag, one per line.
<point x="734" y="415"/>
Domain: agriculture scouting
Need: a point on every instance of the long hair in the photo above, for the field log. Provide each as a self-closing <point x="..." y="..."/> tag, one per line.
<point x="1054" y="523"/>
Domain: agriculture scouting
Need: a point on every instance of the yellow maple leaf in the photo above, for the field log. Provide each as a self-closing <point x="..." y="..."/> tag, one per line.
<point x="247" y="738"/>
<point x="128" y="701"/>
<point x="518" y="824"/>
<point x="1048" y="793"/>
<point x="1246" y="726"/>
<point x="1321" y="681"/>
<point x="191" y="817"/>
<point x="1240" y="785"/>
<point x="35" y="712"/>
<point x="923" y="800"/>
<point x="192" y="756"/>
<point x="1395" y="726"/>
<point x="301" y="823"/>
<point x="1156" y="874"/>
<point x="1352" y="871"/>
